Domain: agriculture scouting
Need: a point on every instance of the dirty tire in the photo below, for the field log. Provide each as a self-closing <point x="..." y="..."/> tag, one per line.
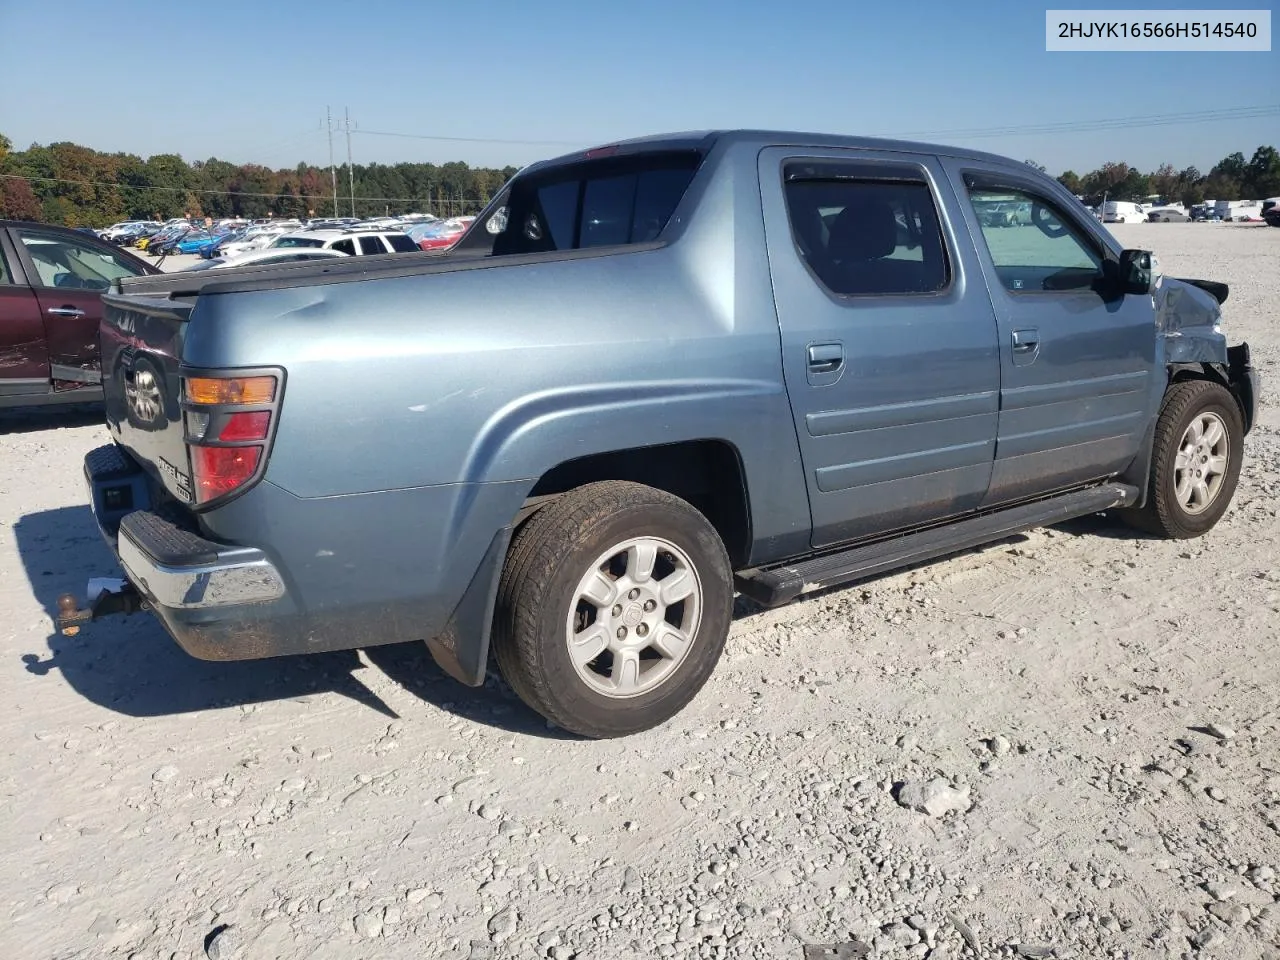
<point x="544" y="568"/>
<point x="1164" y="514"/>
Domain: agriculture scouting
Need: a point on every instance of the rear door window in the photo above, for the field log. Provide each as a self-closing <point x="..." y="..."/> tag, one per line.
<point x="345" y="246"/>
<point x="605" y="202"/>
<point x="867" y="229"/>
<point x="401" y="243"/>
<point x="371" y="245"/>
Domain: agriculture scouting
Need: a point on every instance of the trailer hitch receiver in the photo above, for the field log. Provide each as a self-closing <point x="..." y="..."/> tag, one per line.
<point x="105" y="596"/>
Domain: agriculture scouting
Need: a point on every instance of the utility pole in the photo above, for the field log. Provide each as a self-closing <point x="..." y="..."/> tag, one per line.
<point x="333" y="174"/>
<point x="351" y="172"/>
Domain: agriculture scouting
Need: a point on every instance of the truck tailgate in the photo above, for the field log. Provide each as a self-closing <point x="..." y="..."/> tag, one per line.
<point x="141" y="341"/>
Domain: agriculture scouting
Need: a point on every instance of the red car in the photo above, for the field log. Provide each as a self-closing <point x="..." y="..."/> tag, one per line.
<point x="442" y="234"/>
<point x="51" y="285"/>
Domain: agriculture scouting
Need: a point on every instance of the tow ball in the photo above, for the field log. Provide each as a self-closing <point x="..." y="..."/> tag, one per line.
<point x="104" y="596"/>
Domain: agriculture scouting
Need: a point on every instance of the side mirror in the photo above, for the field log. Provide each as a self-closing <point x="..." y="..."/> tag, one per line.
<point x="1139" y="272"/>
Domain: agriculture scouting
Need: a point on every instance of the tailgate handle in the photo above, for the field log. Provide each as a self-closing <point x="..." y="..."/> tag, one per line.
<point x="65" y="311"/>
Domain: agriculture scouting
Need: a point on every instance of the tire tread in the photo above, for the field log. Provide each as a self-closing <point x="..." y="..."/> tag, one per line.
<point x="1161" y="516"/>
<point x="530" y="569"/>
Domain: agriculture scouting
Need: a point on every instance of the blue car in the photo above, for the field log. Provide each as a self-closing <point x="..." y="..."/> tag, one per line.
<point x="194" y="241"/>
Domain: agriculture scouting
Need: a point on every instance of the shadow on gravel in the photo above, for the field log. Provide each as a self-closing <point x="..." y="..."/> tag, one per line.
<point x="51" y="418"/>
<point x="494" y="704"/>
<point x="1102" y="526"/>
<point x="132" y="666"/>
<point x="129" y="664"/>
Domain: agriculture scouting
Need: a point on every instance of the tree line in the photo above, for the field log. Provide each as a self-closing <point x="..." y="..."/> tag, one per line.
<point x="1232" y="178"/>
<point x="78" y="186"/>
<point x="74" y="185"/>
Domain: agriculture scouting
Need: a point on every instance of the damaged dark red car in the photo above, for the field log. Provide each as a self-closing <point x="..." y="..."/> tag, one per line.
<point x="51" y="284"/>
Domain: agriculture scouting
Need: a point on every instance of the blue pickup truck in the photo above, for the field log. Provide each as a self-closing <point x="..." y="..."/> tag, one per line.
<point x="649" y="376"/>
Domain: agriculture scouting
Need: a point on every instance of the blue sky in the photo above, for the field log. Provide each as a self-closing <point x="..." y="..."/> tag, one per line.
<point x="249" y="81"/>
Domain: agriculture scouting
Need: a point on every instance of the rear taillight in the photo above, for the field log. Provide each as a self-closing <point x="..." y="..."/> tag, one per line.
<point x="228" y="422"/>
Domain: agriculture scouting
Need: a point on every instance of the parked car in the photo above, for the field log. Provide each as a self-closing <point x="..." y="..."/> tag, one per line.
<point x="255" y="237"/>
<point x="649" y="375"/>
<point x="1168" y="215"/>
<point x="158" y="240"/>
<point x="1272" y="217"/>
<point x="51" y="283"/>
<point x="120" y="232"/>
<point x="440" y="234"/>
<point x="268" y="256"/>
<point x="1120" y="211"/>
<point x="164" y="246"/>
<point x="351" y="242"/>
<point x="1229" y="210"/>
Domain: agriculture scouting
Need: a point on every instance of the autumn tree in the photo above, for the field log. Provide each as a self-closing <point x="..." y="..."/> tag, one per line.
<point x="68" y="183"/>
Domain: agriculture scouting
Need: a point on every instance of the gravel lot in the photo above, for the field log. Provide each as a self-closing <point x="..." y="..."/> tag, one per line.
<point x="1106" y="707"/>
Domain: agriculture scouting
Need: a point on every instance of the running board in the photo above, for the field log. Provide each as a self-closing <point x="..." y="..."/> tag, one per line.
<point x="774" y="586"/>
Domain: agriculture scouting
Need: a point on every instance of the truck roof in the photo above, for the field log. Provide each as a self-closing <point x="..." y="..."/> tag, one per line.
<point x="703" y="139"/>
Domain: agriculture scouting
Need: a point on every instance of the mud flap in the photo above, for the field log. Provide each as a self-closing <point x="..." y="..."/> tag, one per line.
<point x="462" y="647"/>
<point x="1245" y="382"/>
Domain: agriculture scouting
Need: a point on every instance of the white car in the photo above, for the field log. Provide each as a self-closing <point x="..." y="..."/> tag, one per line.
<point x="262" y="258"/>
<point x="352" y="242"/>
<point x="1121" y="211"/>
<point x="255" y="238"/>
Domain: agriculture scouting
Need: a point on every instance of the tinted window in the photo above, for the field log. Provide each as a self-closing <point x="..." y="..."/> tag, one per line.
<point x="559" y="202"/>
<point x="1034" y="247"/>
<point x="370" y="245"/>
<point x="5" y="275"/>
<point x="298" y="242"/>
<point x="867" y="237"/>
<point x="346" y="246"/>
<point x="604" y="202"/>
<point x="402" y="243"/>
<point x="60" y="262"/>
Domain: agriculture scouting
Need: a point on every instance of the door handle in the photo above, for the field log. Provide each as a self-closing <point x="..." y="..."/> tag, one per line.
<point x="825" y="357"/>
<point x="65" y="311"/>
<point x="1025" y="341"/>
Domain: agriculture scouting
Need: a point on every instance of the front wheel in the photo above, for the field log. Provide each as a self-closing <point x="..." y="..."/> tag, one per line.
<point x="1195" y="461"/>
<point x="613" y="608"/>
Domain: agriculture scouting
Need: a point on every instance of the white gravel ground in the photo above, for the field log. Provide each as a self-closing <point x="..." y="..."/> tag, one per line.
<point x="1106" y="706"/>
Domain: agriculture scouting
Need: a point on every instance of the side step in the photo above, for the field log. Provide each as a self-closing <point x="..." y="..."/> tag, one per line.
<point x="774" y="586"/>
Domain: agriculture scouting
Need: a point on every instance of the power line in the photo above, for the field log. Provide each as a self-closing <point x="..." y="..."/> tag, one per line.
<point x="523" y="143"/>
<point x="1064" y="126"/>
<point x="1083" y="126"/>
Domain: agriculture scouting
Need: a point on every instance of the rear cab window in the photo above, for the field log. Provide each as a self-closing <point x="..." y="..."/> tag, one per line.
<point x="614" y="201"/>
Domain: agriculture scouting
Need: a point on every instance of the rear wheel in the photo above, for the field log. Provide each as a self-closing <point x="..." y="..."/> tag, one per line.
<point x="1195" y="461"/>
<point x="613" y="608"/>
